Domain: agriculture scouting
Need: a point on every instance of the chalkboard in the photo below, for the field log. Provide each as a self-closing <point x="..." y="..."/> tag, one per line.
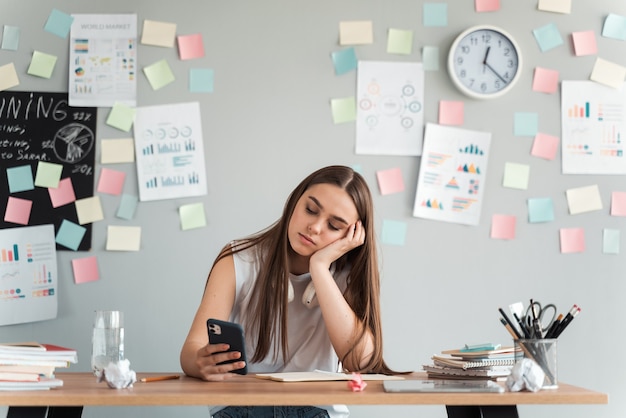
<point x="34" y="127"/>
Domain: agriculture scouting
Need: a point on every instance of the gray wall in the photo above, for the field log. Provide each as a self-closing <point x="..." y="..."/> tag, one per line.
<point x="268" y="124"/>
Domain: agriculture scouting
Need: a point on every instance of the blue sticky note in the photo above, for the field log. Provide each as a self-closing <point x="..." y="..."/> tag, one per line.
<point x="526" y="124"/>
<point x="435" y="14"/>
<point x="430" y="58"/>
<point x="128" y="205"/>
<point x="344" y="60"/>
<point x="614" y="27"/>
<point x="394" y="232"/>
<point x="540" y="210"/>
<point x="20" y="179"/>
<point x="10" y="37"/>
<point x="610" y="241"/>
<point x="548" y="37"/>
<point x="70" y="234"/>
<point x="59" y="23"/>
<point x="201" y="80"/>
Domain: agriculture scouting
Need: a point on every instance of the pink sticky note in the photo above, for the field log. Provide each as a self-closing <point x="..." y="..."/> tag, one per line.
<point x="618" y="204"/>
<point x="18" y="211"/>
<point x="390" y="181"/>
<point x="487" y="5"/>
<point x="111" y="181"/>
<point x="545" y="146"/>
<point x="190" y="46"/>
<point x="63" y="194"/>
<point x="451" y="113"/>
<point x="503" y="227"/>
<point x="85" y="269"/>
<point x="572" y="240"/>
<point x="545" y="80"/>
<point x="584" y="43"/>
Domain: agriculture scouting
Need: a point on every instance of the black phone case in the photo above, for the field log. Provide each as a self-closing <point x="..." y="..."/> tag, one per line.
<point x="231" y="334"/>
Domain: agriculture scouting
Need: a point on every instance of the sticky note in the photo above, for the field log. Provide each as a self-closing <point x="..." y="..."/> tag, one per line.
<point x="70" y="234"/>
<point x="614" y="27"/>
<point x="159" y="74"/>
<point x="540" y="209"/>
<point x="525" y="123"/>
<point x="85" y="269"/>
<point x="584" y="43"/>
<point x="572" y="240"/>
<point x="344" y="61"/>
<point x="451" y="112"/>
<point x="556" y="6"/>
<point x="435" y="14"/>
<point x="610" y="241"/>
<point x="201" y="80"/>
<point x="516" y="176"/>
<point x="548" y="37"/>
<point x="545" y="146"/>
<point x="111" y="181"/>
<point x="18" y="210"/>
<point x="390" y="181"/>
<point x="48" y="174"/>
<point x="430" y="58"/>
<point x="127" y="207"/>
<point x="356" y="32"/>
<point x="63" y="194"/>
<point x="20" y="179"/>
<point x="89" y="209"/>
<point x="10" y="38"/>
<point x="608" y="73"/>
<point x="393" y="232"/>
<point x="400" y="41"/>
<point x="123" y="238"/>
<point x="8" y="77"/>
<point x="618" y="204"/>
<point x="158" y="33"/>
<point x="190" y="46"/>
<point x="482" y="6"/>
<point x="584" y="199"/>
<point x="343" y="109"/>
<point x="192" y="216"/>
<point x="502" y="226"/>
<point x="42" y="65"/>
<point x="117" y="151"/>
<point x="545" y="80"/>
<point x="59" y="23"/>
<point x="121" y="116"/>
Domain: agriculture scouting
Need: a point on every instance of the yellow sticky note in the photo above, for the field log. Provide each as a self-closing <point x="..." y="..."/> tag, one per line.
<point x="356" y="32"/>
<point x="117" y="151"/>
<point x="123" y="238"/>
<point x="48" y="174"/>
<point x="89" y="210"/>
<point x="42" y="65"/>
<point x="344" y="110"/>
<point x="158" y="33"/>
<point x="516" y="176"/>
<point x="584" y="199"/>
<point x="608" y="73"/>
<point x="400" y="42"/>
<point x="159" y="74"/>
<point x="192" y="216"/>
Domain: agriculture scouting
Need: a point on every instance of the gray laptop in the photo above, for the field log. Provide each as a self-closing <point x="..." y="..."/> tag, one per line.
<point x="431" y="386"/>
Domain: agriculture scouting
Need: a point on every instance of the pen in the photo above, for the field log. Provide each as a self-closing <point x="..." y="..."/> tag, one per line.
<point x="521" y="325"/>
<point x="508" y="321"/>
<point x="158" y="378"/>
<point x="554" y="326"/>
<point x="566" y="321"/>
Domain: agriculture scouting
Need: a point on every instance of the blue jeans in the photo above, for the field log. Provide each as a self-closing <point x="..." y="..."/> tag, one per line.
<point x="271" y="412"/>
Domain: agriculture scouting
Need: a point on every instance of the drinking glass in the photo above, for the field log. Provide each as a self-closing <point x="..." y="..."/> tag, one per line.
<point x="107" y="340"/>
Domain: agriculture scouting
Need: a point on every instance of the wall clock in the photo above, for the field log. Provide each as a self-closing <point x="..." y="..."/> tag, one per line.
<point x="484" y="62"/>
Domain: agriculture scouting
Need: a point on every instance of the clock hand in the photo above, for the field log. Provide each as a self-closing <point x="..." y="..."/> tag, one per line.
<point x="485" y="59"/>
<point x="495" y="72"/>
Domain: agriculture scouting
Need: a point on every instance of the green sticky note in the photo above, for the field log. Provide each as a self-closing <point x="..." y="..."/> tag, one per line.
<point x="526" y="124"/>
<point x="201" y="80"/>
<point x="344" y="109"/>
<point x="400" y="42"/>
<point x="516" y="176"/>
<point x="70" y="234"/>
<point x="48" y="174"/>
<point x="430" y="58"/>
<point x="610" y="241"/>
<point x="394" y="232"/>
<point x="20" y="179"/>
<point x="192" y="216"/>
<point x="121" y="117"/>
<point x="159" y="74"/>
<point x="42" y="65"/>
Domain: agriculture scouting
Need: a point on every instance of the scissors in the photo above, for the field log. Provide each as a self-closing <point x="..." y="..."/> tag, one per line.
<point x="536" y="311"/>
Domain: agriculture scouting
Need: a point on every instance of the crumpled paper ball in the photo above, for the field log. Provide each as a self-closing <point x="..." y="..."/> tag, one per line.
<point x="356" y="383"/>
<point x="525" y="374"/>
<point x="118" y="375"/>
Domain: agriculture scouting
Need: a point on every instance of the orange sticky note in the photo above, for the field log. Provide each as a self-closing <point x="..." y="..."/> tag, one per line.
<point x="390" y="181"/>
<point x="545" y="80"/>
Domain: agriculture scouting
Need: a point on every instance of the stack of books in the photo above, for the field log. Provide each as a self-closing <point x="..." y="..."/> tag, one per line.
<point x="31" y="366"/>
<point x="490" y="364"/>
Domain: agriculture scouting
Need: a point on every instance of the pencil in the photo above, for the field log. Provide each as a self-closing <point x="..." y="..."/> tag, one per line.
<point x="158" y="378"/>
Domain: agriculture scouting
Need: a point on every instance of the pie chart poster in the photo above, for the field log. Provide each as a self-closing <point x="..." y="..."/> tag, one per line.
<point x="41" y="127"/>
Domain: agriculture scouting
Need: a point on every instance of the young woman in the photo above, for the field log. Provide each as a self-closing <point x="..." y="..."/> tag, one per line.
<point x="306" y="291"/>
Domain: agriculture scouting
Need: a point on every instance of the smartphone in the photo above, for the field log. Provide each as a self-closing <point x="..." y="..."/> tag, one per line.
<point x="231" y="334"/>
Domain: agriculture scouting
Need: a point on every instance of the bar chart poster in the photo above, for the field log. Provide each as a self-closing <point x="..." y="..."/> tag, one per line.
<point x="169" y="151"/>
<point x="28" y="274"/>
<point x="593" y="118"/>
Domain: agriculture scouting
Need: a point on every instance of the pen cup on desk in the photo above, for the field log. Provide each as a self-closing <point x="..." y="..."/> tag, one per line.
<point x="543" y="351"/>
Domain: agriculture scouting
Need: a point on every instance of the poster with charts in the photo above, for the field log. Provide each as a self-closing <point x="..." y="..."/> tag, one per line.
<point x="28" y="274"/>
<point x="103" y="60"/>
<point x="593" y="119"/>
<point x="390" y="114"/>
<point x="169" y="151"/>
<point x="452" y="175"/>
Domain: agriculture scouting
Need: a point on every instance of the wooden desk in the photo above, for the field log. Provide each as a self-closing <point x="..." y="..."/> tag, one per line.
<point x="81" y="389"/>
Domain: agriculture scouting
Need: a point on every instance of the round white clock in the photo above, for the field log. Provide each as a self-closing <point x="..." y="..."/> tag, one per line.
<point x="484" y="62"/>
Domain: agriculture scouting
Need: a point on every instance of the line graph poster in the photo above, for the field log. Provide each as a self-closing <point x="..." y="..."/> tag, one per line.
<point x="593" y="118"/>
<point x="28" y="274"/>
<point x="390" y="115"/>
<point x="452" y="175"/>
<point x="169" y="150"/>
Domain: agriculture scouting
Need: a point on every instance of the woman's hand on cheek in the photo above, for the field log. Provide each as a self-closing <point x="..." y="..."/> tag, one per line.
<point x="355" y="237"/>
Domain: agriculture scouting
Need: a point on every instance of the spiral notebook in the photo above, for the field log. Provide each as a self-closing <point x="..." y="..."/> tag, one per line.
<point x="449" y="361"/>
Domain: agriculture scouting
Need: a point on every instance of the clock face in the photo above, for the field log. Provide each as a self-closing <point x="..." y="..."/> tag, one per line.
<point x="484" y="62"/>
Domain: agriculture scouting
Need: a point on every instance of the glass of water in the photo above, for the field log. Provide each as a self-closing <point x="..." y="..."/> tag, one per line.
<point x="108" y="339"/>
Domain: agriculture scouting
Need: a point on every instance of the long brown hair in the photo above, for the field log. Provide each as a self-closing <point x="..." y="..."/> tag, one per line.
<point x="268" y="305"/>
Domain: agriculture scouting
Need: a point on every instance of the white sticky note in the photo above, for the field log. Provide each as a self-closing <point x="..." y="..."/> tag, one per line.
<point x="89" y="210"/>
<point x="608" y="73"/>
<point x="356" y="32"/>
<point x="117" y="151"/>
<point x="556" y="6"/>
<point x="584" y="199"/>
<point x="123" y="238"/>
<point x="8" y="76"/>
